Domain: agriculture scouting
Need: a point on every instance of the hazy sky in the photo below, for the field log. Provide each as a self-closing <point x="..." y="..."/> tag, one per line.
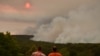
<point x="14" y="12"/>
<point x="43" y="15"/>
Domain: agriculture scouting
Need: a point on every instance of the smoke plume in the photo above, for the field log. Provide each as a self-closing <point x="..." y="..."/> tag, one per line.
<point x="58" y="21"/>
<point x="80" y="25"/>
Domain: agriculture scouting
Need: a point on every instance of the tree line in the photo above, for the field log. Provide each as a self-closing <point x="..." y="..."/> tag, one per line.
<point x="12" y="46"/>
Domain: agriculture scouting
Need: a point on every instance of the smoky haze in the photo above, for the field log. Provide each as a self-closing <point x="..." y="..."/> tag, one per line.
<point x="58" y="21"/>
<point x="80" y="25"/>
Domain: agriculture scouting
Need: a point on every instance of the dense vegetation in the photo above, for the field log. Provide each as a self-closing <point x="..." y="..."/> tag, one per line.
<point x="12" y="46"/>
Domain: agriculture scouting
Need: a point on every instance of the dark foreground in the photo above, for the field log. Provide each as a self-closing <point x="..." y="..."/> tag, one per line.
<point x="20" y="46"/>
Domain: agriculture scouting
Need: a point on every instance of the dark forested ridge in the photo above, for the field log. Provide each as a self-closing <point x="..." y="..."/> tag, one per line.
<point x="20" y="45"/>
<point x="23" y="37"/>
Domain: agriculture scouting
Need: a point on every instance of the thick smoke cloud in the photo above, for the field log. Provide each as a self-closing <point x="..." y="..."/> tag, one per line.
<point x="59" y="21"/>
<point x="81" y="26"/>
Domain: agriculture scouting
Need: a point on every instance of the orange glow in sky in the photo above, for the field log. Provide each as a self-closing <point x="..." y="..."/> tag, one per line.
<point x="27" y="5"/>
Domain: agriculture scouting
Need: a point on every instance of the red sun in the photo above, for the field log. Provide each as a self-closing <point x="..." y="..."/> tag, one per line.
<point x="27" y="5"/>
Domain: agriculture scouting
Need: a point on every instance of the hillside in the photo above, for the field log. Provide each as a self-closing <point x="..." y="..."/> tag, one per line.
<point x="22" y="37"/>
<point x="68" y="49"/>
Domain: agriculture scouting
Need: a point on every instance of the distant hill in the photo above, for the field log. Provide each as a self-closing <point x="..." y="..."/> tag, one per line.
<point x="22" y="37"/>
